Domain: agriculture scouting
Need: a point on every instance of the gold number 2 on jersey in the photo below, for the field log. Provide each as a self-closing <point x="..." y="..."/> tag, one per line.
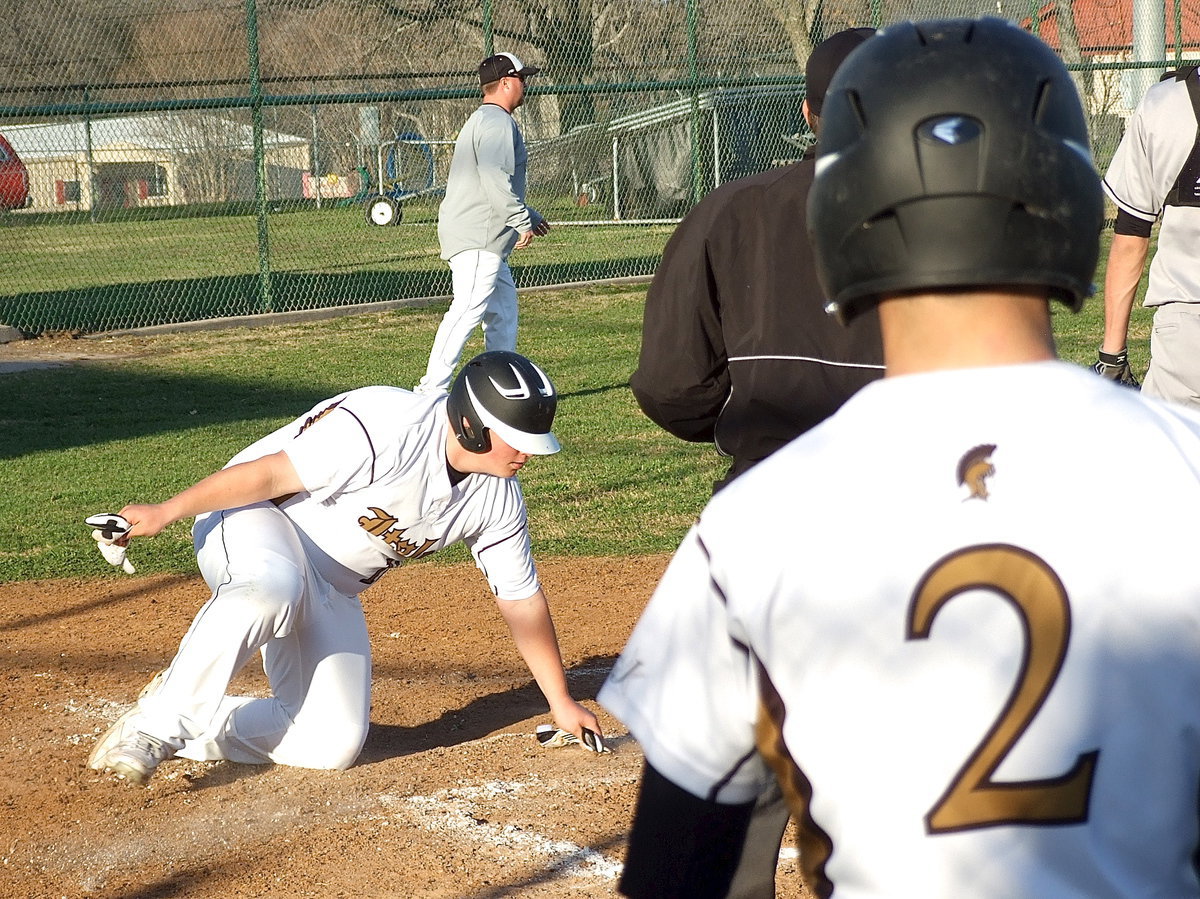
<point x="973" y="799"/>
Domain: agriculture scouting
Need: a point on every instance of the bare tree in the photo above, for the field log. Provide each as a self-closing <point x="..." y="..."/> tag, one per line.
<point x="565" y="36"/>
<point x="183" y="45"/>
<point x="798" y="18"/>
<point x="208" y="150"/>
<point x="48" y="45"/>
<point x="1068" y="38"/>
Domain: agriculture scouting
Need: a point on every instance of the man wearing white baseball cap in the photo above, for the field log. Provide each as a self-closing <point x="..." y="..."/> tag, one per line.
<point x="482" y="219"/>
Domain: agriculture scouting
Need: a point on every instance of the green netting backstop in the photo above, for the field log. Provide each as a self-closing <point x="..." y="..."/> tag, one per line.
<point x="191" y="159"/>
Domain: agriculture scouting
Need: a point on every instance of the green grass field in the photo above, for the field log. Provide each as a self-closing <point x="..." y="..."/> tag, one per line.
<point x="65" y="273"/>
<point x="88" y="438"/>
<point x="92" y="437"/>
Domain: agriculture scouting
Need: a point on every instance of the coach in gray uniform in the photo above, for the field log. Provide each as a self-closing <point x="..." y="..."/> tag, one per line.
<point x="483" y="218"/>
<point x="1156" y="172"/>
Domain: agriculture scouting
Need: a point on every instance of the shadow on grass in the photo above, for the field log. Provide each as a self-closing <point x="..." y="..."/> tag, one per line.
<point x="56" y="408"/>
<point x="135" y="305"/>
<point x="48" y="409"/>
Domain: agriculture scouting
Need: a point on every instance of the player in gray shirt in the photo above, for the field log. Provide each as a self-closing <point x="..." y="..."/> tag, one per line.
<point x="1155" y="176"/>
<point x="483" y="218"/>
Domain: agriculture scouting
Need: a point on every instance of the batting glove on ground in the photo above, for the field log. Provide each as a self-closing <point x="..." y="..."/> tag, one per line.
<point x="1115" y="367"/>
<point x="107" y="527"/>
<point x="553" y="738"/>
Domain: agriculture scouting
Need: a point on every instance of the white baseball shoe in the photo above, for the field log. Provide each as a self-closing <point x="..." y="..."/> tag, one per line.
<point x="126" y="751"/>
<point x="131" y="754"/>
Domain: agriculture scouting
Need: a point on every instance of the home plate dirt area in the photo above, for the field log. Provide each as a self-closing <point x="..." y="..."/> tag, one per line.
<point x="452" y="797"/>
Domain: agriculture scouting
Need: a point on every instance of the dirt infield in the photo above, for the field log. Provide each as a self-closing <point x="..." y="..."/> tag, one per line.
<point x="452" y="796"/>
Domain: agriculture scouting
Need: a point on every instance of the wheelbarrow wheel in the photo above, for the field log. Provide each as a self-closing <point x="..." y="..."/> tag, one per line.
<point x="383" y="210"/>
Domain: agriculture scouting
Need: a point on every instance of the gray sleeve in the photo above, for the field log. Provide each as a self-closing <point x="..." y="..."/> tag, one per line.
<point x="501" y="182"/>
<point x="484" y="206"/>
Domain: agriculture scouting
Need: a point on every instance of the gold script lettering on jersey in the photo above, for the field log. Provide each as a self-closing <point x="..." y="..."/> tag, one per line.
<point x="313" y="419"/>
<point x="385" y="526"/>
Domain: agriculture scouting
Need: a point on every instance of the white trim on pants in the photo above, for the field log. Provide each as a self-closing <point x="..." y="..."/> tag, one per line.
<point x="484" y="294"/>
<point x="313" y="640"/>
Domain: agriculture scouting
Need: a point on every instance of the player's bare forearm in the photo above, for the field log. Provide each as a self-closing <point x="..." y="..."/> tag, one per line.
<point x="1126" y="261"/>
<point x="229" y="488"/>
<point x="533" y="633"/>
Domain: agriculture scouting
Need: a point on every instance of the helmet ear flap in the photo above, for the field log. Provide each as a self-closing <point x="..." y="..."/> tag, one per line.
<point x="475" y="439"/>
<point x="471" y="433"/>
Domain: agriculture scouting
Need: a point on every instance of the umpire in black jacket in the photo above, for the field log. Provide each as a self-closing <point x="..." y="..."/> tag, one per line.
<point x="737" y="349"/>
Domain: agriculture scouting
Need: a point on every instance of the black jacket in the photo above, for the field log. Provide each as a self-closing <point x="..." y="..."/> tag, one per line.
<point x="736" y="346"/>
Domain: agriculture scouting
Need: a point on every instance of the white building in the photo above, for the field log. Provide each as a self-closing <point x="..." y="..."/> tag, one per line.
<point x="164" y="159"/>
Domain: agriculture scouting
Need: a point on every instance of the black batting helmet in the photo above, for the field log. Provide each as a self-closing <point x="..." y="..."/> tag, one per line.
<point x="503" y="392"/>
<point x="953" y="153"/>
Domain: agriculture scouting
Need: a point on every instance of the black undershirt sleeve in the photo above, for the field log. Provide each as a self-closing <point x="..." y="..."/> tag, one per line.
<point x="679" y="845"/>
<point x="1131" y="225"/>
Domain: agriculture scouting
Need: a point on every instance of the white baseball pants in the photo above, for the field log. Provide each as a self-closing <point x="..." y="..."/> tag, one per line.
<point x="1174" y="372"/>
<point x="484" y="293"/>
<point x="266" y="598"/>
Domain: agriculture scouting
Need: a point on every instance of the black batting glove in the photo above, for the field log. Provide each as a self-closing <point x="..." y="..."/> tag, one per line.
<point x="1115" y="367"/>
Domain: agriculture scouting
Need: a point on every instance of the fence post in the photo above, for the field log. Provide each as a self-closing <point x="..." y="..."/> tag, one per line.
<point x="260" y="163"/>
<point x="1178" y="33"/>
<point x="316" y="147"/>
<point x="489" y="38"/>
<point x="694" y="78"/>
<point x="1149" y="43"/>
<point x="91" y="161"/>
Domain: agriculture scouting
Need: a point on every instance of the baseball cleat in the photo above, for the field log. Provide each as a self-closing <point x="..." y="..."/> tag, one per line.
<point x="126" y="751"/>
<point x="135" y="757"/>
<point x="152" y="685"/>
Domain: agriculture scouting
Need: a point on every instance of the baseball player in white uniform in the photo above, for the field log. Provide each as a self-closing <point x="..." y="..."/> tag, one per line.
<point x="1156" y="173"/>
<point x="300" y="522"/>
<point x="903" y="615"/>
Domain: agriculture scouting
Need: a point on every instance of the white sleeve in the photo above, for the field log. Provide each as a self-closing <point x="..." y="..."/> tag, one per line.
<point x="1156" y="144"/>
<point x="502" y="551"/>
<point x="1129" y="181"/>
<point x="687" y="690"/>
<point x="332" y="453"/>
<point x="507" y="563"/>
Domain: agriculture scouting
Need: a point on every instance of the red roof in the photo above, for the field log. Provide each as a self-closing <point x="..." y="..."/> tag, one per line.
<point x="1107" y="25"/>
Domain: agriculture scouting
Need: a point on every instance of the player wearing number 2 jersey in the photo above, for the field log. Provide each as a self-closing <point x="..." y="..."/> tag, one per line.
<point x="903" y="615"/>
<point x="298" y="524"/>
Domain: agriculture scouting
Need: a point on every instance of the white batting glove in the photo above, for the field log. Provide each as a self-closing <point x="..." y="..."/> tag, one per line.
<point x="107" y="528"/>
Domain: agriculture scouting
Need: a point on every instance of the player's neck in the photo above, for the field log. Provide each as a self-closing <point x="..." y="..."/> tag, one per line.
<point x="506" y="100"/>
<point x="967" y="329"/>
<point x="457" y="458"/>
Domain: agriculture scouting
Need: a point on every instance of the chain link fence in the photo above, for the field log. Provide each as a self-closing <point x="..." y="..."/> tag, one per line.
<point x="192" y="159"/>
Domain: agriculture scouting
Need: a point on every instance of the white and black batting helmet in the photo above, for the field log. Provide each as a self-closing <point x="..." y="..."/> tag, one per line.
<point x="503" y="392"/>
<point x="953" y="153"/>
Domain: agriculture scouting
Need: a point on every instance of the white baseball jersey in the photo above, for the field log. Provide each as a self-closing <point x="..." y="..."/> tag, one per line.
<point x="1156" y="143"/>
<point x="373" y="462"/>
<point x="286" y="579"/>
<point x="963" y="617"/>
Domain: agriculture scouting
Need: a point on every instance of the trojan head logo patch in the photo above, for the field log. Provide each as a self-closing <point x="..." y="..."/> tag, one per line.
<point x="974" y="468"/>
